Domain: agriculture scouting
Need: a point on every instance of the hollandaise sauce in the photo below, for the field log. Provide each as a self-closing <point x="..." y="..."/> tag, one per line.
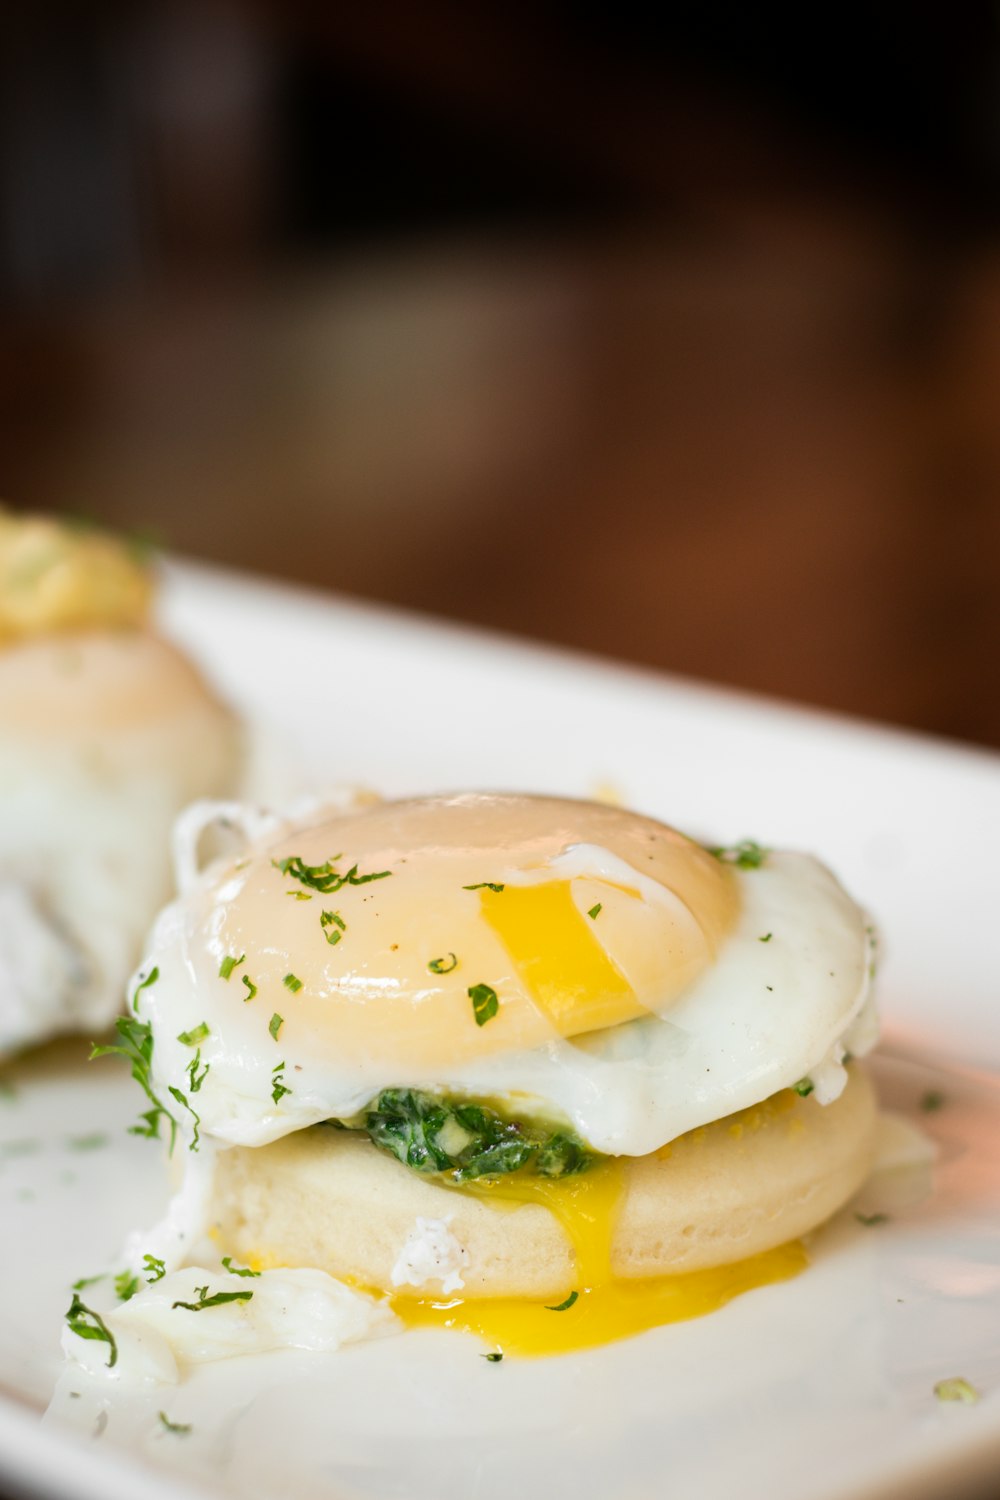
<point x="601" y="1307"/>
<point x="58" y="576"/>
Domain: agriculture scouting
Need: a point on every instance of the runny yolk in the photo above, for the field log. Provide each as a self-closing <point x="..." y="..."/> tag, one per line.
<point x="563" y="965"/>
<point x="606" y="1307"/>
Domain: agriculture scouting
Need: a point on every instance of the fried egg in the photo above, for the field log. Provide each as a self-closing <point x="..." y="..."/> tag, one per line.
<point x="642" y="986"/>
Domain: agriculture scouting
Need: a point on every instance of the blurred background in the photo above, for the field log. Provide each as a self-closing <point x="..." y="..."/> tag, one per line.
<point x="676" y="340"/>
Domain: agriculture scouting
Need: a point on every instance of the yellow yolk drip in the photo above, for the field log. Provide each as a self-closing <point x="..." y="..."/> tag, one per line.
<point x="605" y="1307"/>
<point x="561" y="962"/>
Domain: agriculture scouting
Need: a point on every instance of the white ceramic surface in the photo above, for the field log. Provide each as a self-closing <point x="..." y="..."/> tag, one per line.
<point x="822" y="1386"/>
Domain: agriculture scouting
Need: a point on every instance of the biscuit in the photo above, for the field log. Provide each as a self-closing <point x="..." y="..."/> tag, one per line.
<point x="726" y="1191"/>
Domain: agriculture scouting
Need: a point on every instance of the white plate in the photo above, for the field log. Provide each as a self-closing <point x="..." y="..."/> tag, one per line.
<point x="823" y="1385"/>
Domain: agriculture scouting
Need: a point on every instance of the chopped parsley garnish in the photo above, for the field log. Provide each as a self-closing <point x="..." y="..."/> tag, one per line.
<point x="26" y="1147"/>
<point x="196" y="1078"/>
<point x="196" y="1035"/>
<point x="182" y="1100"/>
<point x="332" y="919"/>
<point x="179" y="1427"/>
<point x="431" y="1133"/>
<point x="275" y="1024"/>
<point x="136" y="1046"/>
<point x="766" y="938"/>
<point x="86" y="1281"/>
<point x="595" y="911"/>
<point x="484" y="1003"/>
<point x="870" y="1220"/>
<point x="564" y="1306"/>
<point x="157" y="1267"/>
<point x="485" y="885"/>
<point x="932" y="1101"/>
<point x="216" y="1300"/>
<point x="443" y="965"/>
<point x="494" y="1356"/>
<point x="229" y="963"/>
<point x="278" y="1087"/>
<point x="144" y="984"/>
<point x="957" y="1388"/>
<point x="94" y="1142"/>
<point x="251" y="988"/>
<point x="87" y="1324"/>
<point x="126" y="1285"/>
<point x="292" y="983"/>
<point x="227" y="1261"/>
<point x="325" y="878"/>
<point x="299" y="895"/>
<point x="804" y="1087"/>
<point x="747" y="855"/>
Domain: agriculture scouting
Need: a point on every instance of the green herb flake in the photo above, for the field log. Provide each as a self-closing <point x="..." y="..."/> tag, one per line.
<point x="87" y="1324"/>
<point x="443" y="965"/>
<point x="136" y="1045"/>
<point x="333" y="921"/>
<point x="24" y="1147"/>
<point x="957" y="1388"/>
<point x="229" y="963"/>
<point x="181" y="1428"/>
<point x="185" y="1103"/>
<point x="95" y="1142"/>
<point x="278" y="1086"/>
<point x="804" y="1087"/>
<point x="564" y="1306"/>
<point x="227" y="1261"/>
<point x="145" y="543"/>
<point x="932" y="1101"/>
<point x="85" y="1281"/>
<point x="251" y="988"/>
<point x="871" y="1220"/>
<point x="292" y="983"/>
<point x="275" y="1024"/>
<point x="126" y="1285"/>
<point x="325" y="878"/>
<point x="195" y="1036"/>
<point x="143" y="984"/>
<point x="766" y="938"/>
<point x="156" y="1267"/>
<point x="299" y="895"/>
<point x="196" y="1078"/>
<point x="485" y="885"/>
<point x="595" y="911"/>
<point x="216" y="1300"/>
<point x="484" y="1003"/>
<point x="494" y="1356"/>
<point x="746" y="855"/>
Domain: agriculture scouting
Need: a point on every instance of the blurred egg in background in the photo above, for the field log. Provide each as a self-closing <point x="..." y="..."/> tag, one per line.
<point x="670" y="335"/>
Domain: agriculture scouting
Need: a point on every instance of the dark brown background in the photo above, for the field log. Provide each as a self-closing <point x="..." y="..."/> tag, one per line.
<point x="675" y="342"/>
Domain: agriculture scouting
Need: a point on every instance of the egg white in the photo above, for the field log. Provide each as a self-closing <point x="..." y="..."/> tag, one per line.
<point x="785" y="1000"/>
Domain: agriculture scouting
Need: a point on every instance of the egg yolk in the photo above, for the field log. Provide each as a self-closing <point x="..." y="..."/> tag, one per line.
<point x="561" y="963"/>
<point x="604" y="1307"/>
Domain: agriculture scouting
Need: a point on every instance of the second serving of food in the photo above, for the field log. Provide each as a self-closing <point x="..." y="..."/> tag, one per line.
<point x="106" y="732"/>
